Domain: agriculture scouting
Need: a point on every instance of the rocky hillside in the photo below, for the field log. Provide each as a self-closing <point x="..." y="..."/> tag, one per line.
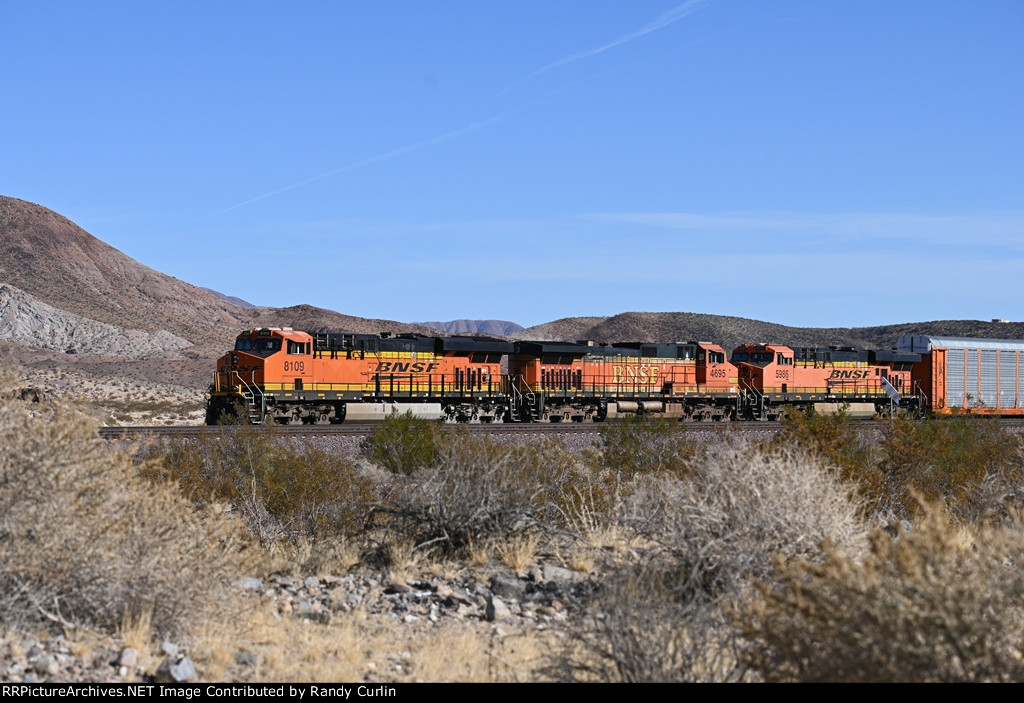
<point x="57" y="262"/>
<point x="566" y="329"/>
<point x="30" y="322"/>
<point x="67" y="289"/>
<point x="731" y="331"/>
<point x="493" y="328"/>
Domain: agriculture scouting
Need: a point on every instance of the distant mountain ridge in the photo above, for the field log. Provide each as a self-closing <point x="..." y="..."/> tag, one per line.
<point x="231" y="299"/>
<point x="500" y="328"/>
<point x="733" y="331"/>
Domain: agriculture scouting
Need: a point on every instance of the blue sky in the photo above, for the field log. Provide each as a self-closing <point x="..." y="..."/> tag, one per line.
<point x="804" y="162"/>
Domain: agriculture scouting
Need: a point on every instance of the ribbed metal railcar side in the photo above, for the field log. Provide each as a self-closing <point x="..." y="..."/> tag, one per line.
<point x="961" y="374"/>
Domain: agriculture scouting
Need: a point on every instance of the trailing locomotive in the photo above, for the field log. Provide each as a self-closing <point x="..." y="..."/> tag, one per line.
<point x="287" y="376"/>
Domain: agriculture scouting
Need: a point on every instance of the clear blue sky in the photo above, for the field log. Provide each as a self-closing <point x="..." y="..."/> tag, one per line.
<point x="800" y="161"/>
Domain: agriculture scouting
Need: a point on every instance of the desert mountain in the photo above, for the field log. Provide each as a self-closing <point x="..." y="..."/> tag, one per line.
<point x="499" y="328"/>
<point x="57" y="262"/>
<point x="66" y="288"/>
<point x="732" y="331"/>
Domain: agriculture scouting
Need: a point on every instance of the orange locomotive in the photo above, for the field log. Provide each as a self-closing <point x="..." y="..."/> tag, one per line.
<point x="286" y="376"/>
<point x="579" y="382"/>
<point x="773" y="377"/>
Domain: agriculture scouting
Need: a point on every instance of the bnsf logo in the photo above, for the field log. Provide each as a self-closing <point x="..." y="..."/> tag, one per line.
<point x="641" y="374"/>
<point x="850" y="374"/>
<point x="406" y="367"/>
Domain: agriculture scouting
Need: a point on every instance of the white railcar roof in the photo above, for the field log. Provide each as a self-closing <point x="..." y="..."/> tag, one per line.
<point x="921" y="343"/>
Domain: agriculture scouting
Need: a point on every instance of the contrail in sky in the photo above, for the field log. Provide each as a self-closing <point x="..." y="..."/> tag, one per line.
<point x="394" y="153"/>
<point x="669" y="17"/>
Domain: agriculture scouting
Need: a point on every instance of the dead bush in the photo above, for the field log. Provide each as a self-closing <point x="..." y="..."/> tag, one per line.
<point x="644" y="625"/>
<point x="929" y="605"/>
<point x="702" y="540"/>
<point x="477" y="490"/>
<point x="85" y="541"/>
<point x="741" y="506"/>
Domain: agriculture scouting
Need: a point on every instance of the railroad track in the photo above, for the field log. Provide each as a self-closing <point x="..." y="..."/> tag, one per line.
<point x="363" y="429"/>
<point x="525" y="429"/>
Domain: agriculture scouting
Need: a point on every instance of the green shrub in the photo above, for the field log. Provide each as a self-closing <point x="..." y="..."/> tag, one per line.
<point x="947" y="459"/>
<point x="282" y="491"/>
<point x="835" y="437"/>
<point x="403" y="443"/>
<point x="642" y="444"/>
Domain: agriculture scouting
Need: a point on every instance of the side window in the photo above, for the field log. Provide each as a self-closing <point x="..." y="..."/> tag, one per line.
<point x="296" y="347"/>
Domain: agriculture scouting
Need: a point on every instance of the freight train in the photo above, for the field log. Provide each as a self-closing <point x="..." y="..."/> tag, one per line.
<point x="284" y="376"/>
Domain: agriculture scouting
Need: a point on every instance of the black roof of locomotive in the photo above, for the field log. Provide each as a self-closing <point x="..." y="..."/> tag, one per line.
<point x="830" y="354"/>
<point x="835" y="354"/>
<point x="888" y="355"/>
<point x="474" y="344"/>
<point x="342" y="341"/>
<point x="626" y="349"/>
<point x="527" y="348"/>
<point x="660" y="350"/>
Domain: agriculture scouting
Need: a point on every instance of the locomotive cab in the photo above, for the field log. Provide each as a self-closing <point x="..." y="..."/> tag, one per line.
<point x="268" y="358"/>
<point x="713" y="370"/>
<point x="864" y="382"/>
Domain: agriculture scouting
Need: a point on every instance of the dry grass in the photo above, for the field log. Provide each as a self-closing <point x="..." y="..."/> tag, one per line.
<point x="478" y="552"/>
<point x="136" y="631"/>
<point x="518" y="551"/>
<point x="402" y="558"/>
<point x="355" y="645"/>
<point x="461" y="653"/>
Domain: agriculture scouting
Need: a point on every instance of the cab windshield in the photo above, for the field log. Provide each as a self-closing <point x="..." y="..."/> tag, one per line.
<point x="759" y="358"/>
<point x="259" y="347"/>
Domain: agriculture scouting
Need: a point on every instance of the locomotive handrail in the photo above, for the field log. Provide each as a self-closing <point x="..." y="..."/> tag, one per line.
<point x="920" y="391"/>
<point x="749" y="389"/>
<point x="253" y="390"/>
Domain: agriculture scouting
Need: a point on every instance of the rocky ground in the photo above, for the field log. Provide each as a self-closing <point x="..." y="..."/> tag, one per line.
<point x="114" y="400"/>
<point x="479" y="612"/>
